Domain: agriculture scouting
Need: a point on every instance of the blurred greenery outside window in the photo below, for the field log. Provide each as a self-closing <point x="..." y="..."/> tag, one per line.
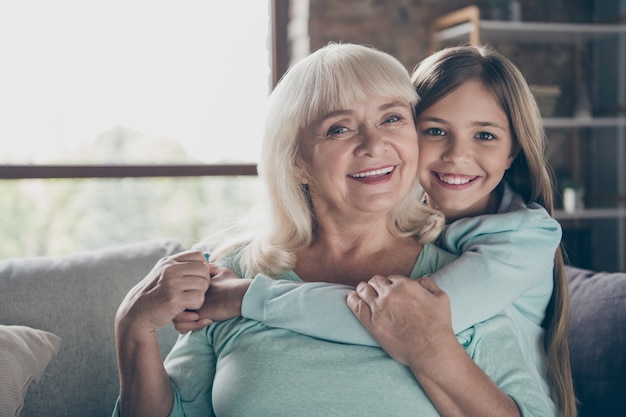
<point x="128" y="82"/>
<point x="59" y="216"/>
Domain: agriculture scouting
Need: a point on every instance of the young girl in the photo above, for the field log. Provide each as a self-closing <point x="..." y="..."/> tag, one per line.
<point x="482" y="163"/>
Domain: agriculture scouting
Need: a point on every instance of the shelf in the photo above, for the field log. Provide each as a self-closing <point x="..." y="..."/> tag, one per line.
<point x="500" y="30"/>
<point x="570" y="122"/>
<point x="612" y="213"/>
<point x="603" y="164"/>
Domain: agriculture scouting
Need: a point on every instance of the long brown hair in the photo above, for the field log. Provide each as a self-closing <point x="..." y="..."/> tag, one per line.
<point x="529" y="175"/>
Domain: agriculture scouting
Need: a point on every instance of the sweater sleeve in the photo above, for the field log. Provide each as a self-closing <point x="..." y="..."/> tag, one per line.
<point x="191" y="365"/>
<point x="504" y="258"/>
<point x="493" y="345"/>
<point x="315" y="309"/>
<point x="319" y="309"/>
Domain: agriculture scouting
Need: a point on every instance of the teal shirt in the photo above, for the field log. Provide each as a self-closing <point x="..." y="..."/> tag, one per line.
<point x="505" y="265"/>
<point x="241" y="367"/>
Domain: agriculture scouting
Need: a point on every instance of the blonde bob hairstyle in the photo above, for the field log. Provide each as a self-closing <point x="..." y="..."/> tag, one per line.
<point x="332" y="78"/>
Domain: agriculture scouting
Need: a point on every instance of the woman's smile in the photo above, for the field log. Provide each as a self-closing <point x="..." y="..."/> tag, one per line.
<point x="375" y="175"/>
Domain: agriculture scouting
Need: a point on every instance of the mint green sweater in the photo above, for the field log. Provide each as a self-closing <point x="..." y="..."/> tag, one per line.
<point x="505" y="265"/>
<point x="241" y="367"/>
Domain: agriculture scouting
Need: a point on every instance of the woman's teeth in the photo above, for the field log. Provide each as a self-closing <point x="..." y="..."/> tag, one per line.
<point x="382" y="171"/>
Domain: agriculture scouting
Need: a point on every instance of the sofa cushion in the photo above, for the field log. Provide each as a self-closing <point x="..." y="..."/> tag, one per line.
<point x="24" y="355"/>
<point x="598" y="341"/>
<point x="76" y="297"/>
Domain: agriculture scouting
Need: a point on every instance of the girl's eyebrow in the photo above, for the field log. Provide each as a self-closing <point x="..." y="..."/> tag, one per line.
<point x="475" y="124"/>
<point x="431" y="119"/>
<point x="488" y="124"/>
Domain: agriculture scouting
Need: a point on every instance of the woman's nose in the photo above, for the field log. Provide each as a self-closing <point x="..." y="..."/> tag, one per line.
<point x="372" y="142"/>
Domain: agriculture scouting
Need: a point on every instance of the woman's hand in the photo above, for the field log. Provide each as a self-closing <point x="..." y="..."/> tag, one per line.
<point x="222" y="301"/>
<point x="409" y="318"/>
<point x="176" y="283"/>
<point x="411" y="321"/>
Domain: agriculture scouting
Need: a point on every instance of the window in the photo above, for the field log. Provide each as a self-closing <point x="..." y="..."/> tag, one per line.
<point x="106" y="84"/>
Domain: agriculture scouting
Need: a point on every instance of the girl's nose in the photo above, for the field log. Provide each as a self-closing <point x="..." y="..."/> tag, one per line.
<point x="456" y="151"/>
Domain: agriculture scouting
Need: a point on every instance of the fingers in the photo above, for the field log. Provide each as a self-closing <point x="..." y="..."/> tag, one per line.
<point x="187" y="315"/>
<point x="182" y="281"/>
<point x="377" y="286"/>
<point x="184" y="326"/>
<point x="218" y="272"/>
<point x="368" y="296"/>
<point x="363" y="300"/>
<point x="430" y="285"/>
<point x="188" y="256"/>
<point x="359" y="307"/>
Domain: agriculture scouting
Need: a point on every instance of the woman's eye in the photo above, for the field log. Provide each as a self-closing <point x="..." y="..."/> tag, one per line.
<point x="485" y="136"/>
<point x="336" y="130"/>
<point x="392" y="119"/>
<point x="435" y="131"/>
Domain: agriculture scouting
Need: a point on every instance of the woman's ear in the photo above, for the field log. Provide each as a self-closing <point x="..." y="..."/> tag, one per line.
<point x="300" y="172"/>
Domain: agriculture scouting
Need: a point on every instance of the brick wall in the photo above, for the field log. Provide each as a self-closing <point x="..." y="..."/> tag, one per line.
<point x="399" y="27"/>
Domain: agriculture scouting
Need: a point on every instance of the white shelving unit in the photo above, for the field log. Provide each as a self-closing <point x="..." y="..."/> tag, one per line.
<point x="572" y="122"/>
<point x="466" y="26"/>
<point x="528" y="31"/>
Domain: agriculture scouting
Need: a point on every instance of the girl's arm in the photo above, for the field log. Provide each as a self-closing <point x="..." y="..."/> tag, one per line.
<point x="502" y="257"/>
<point x="315" y="308"/>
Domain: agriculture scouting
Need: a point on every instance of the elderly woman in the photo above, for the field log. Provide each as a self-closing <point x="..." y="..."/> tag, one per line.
<point x="342" y="202"/>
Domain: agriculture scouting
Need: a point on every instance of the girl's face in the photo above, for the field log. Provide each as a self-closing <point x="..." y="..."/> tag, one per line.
<point x="361" y="159"/>
<point x="465" y="146"/>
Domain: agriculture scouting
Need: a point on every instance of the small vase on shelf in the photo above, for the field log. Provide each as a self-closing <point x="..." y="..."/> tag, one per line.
<point x="583" y="103"/>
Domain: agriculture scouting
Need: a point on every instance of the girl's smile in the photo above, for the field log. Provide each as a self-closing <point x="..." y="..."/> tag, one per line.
<point x="465" y="146"/>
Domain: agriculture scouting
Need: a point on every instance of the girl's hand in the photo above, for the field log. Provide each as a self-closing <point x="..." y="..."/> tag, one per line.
<point x="222" y="301"/>
<point x="176" y="283"/>
<point x="410" y="319"/>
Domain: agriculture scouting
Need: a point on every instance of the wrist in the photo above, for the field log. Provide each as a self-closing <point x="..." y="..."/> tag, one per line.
<point x="240" y="292"/>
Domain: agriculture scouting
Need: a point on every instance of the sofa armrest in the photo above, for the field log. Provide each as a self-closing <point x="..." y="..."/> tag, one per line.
<point x="76" y="297"/>
<point x="597" y="340"/>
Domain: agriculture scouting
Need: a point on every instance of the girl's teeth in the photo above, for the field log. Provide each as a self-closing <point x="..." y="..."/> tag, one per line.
<point x="453" y="180"/>
<point x="381" y="171"/>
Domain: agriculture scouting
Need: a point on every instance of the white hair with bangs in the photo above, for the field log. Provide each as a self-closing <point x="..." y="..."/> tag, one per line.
<point x="332" y="78"/>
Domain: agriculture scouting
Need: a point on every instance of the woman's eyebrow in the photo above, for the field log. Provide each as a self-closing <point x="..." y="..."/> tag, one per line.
<point x="336" y="113"/>
<point x="393" y="104"/>
<point x="382" y="107"/>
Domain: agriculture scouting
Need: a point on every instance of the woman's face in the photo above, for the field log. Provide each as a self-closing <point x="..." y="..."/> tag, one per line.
<point x="361" y="159"/>
<point x="465" y="147"/>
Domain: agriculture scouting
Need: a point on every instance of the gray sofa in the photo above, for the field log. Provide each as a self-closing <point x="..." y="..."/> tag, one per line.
<point x="75" y="298"/>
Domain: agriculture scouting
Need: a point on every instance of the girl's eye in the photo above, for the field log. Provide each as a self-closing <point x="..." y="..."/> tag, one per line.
<point x="435" y="131"/>
<point x="485" y="136"/>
